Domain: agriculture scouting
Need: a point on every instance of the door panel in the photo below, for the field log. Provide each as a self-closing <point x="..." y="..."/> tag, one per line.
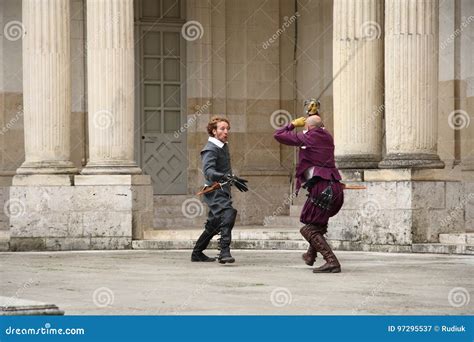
<point x="164" y="155"/>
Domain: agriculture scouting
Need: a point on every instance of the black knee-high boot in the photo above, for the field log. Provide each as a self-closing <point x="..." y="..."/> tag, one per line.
<point x="201" y="244"/>
<point x="227" y="223"/>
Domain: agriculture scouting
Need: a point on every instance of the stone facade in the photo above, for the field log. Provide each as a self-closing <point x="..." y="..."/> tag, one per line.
<point x="256" y="62"/>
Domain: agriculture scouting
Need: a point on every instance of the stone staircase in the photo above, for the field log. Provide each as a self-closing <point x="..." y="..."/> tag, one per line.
<point x="178" y="212"/>
<point x="178" y="222"/>
<point x="4" y="240"/>
<point x="173" y="230"/>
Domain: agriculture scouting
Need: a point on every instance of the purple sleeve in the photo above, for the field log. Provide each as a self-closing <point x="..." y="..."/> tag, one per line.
<point x="285" y="135"/>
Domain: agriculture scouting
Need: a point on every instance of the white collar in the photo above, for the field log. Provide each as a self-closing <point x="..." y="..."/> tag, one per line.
<point x="305" y="131"/>
<point x="216" y="142"/>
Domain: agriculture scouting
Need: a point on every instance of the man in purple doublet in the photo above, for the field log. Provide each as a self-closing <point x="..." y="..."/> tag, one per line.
<point x="317" y="173"/>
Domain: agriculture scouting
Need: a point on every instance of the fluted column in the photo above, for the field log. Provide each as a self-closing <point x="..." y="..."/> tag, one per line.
<point x="358" y="86"/>
<point x="411" y="84"/>
<point x="110" y="73"/>
<point x="46" y="87"/>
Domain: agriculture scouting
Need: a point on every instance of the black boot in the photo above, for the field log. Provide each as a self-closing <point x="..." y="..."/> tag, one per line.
<point x="201" y="244"/>
<point x="227" y="223"/>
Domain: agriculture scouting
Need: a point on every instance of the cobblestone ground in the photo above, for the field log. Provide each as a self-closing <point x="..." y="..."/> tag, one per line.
<point x="260" y="282"/>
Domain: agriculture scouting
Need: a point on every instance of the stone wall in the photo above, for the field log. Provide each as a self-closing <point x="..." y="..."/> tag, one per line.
<point x="400" y="207"/>
<point x="98" y="212"/>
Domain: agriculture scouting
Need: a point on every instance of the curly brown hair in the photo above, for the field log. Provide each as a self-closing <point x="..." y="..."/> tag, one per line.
<point x="212" y="125"/>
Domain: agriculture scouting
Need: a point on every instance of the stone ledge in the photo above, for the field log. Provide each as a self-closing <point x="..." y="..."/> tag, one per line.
<point x="18" y="244"/>
<point x="383" y="175"/>
<point x="465" y="238"/>
<point x="349" y="175"/>
<point x="257" y="173"/>
<point x="439" y="248"/>
<point x="80" y="180"/>
<point x="42" y="180"/>
<point x="11" y="306"/>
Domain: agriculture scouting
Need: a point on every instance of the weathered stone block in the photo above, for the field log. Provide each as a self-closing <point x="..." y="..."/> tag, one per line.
<point x="387" y="227"/>
<point x="67" y="244"/>
<point x="107" y="223"/>
<point x="400" y="212"/>
<point x="18" y="244"/>
<point x="78" y="217"/>
<point x="404" y="195"/>
<point x="105" y="198"/>
<point x="428" y="195"/>
<point x="454" y="195"/>
<point x="345" y="226"/>
<point x="111" y="243"/>
<point x="429" y="223"/>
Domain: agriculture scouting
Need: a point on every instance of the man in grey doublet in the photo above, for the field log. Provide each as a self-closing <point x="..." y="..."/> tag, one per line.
<point x="216" y="167"/>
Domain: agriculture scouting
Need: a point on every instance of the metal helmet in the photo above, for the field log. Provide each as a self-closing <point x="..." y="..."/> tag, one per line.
<point x="312" y="107"/>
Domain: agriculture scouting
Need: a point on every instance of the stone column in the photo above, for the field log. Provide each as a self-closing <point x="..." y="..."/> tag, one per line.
<point x="411" y="84"/>
<point x="358" y="86"/>
<point x="110" y="70"/>
<point x="46" y="87"/>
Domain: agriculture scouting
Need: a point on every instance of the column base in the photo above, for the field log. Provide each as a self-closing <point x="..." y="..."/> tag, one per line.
<point x="112" y="168"/>
<point x="396" y="212"/>
<point x="80" y="217"/>
<point x="358" y="161"/>
<point x="47" y="168"/>
<point x="411" y="161"/>
<point x="467" y="164"/>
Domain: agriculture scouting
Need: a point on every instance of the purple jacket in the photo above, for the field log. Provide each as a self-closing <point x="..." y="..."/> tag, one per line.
<point x="316" y="149"/>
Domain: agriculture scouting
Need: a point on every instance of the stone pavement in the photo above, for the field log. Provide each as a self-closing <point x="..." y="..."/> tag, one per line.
<point x="141" y="282"/>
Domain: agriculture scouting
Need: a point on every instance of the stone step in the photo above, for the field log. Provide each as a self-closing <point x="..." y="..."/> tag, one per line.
<point x="295" y="210"/>
<point x="236" y="244"/>
<point x="177" y="222"/>
<point x="266" y="244"/>
<point x="282" y="221"/>
<point x="262" y="237"/>
<point x="238" y="233"/>
<point x="171" y="200"/>
<point x="443" y="248"/>
<point x="4" y="240"/>
<point x="462" y="239"/>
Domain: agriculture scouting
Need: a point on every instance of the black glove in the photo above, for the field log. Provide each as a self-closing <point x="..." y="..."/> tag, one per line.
<point x="241" y="184"/>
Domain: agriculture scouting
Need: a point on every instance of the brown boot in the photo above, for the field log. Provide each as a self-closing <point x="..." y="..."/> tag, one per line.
<point x="310" y="256"/>
<point x="332" y="264"/>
